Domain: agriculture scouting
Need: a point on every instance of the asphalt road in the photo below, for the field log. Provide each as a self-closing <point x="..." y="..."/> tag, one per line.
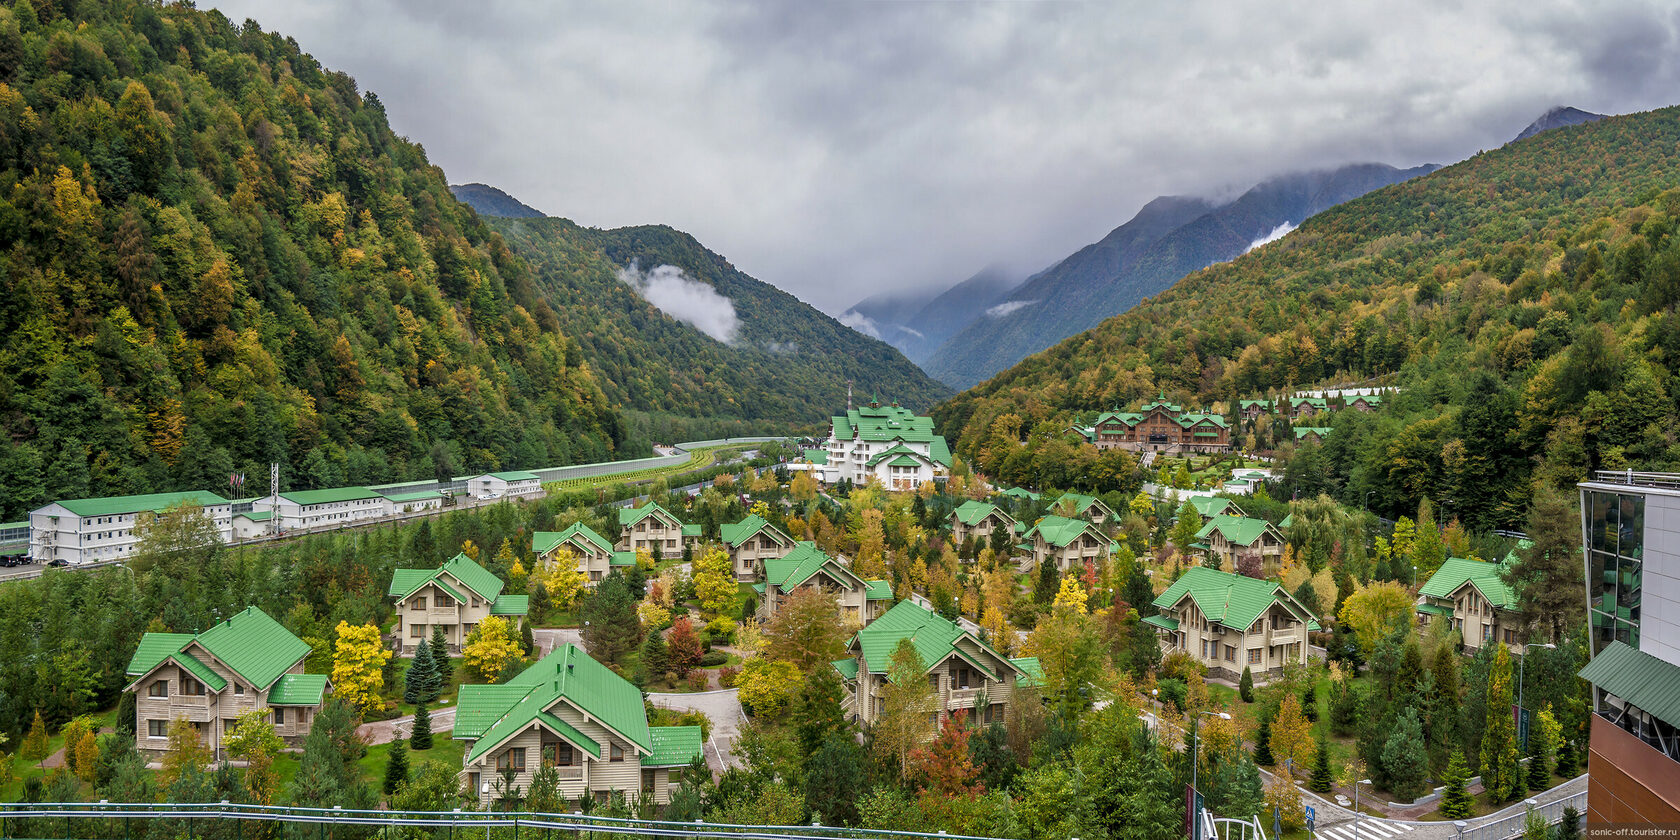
<point x="724" y="709"/>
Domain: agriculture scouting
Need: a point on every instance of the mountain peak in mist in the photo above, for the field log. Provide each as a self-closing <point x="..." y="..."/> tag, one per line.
<point x="489" y="201"/>
<point x="1557" y="117"/>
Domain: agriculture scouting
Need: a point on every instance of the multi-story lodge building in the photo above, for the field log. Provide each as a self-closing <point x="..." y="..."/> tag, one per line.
<point x="1230" y="622"/>
<point x="1630" y="534"/>
<point x="595" y="557"/>
<point x="1230" y="537"/>
<point x="1364" y="402"/>
<point x="248" y="661"/>
<point x="752" y="541"/>
<point x="653" y="528"/>
<point x="1160" y="426"/>
<point x="1210" y="506"/>
<point x="92" y="530"/>
<point x="573" y="714"/>
<point x="1299" y="407"/>
<point x="808" y="567"/>
<point x="1251" y="410"/>
<point x="1473" y="596"/>
<point x="978" y="520"/>
<point x="309" y="510"/>
<point x="1089" y="508"/>
<point x="457" y="596"/>
<point x="1069" y="543"/>
<point x="887" y="443"/>
<point x="962" y="669"/>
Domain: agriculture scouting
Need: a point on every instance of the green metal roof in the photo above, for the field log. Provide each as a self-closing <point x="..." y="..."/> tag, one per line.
<point x="1235" y="601"/>
<point x="1022" y="493"/>
<point x="1212" y="505"/>
<point x="674" y="746"/>
<point x="1303" y="431"/>
<point x="1639" y="678"/>
<point x="973" y="513"/>
<point x="1434" y="609"/>
<point x="848" y="668"/>
<point x="298" y="690"/>
<point x="511" y="605"/>
<point x="1457" y="571"/>
<point x="567" y="673"/>
<point x="629" y="516"/>
<point x="475" y="577"/>
<point x="255" y="646"/>
<point x="416" y="496"/>
<point x="879" y="590"/>
<point x="153" y="502"/>
<point x="251" y="644"/>
<point x="934" y="637"/>
<point x="257" y="515"/>
<point x="1287" y="521"/>
<point x="1240" y="530"/>
<point x="1265" y="404"/>
<point x="904" y="461"/>
<point x="900" y="451"/>
<point x="515" y="475"/>
<point x="329" y="495"/>
<point x="1083" y="503"/>
<point x="1161" y="621"/>
<point x="883" y="423"/>
<point x="1032" y="673"/>
<point x="198" y="669"/>
<point x="691" y="530"/>
<point x="817" y="456"/>
<point x="542" y="542"/>
<point x="803" y="563"/>
<point x="622" y="558"/>
<point x="570" y="733"/>
<point x="735" y="533"/>
<point x="1060" y="531"/>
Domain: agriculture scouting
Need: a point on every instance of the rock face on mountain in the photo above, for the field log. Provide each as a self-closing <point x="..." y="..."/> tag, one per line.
<point x="1169" y="238"/>
<point x="1558" y="117"/>
<point x="489" y="201"/>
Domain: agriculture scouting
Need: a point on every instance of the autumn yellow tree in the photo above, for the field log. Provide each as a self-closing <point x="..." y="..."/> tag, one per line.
<point x="562" y="579"/>
<point x="1292" y="739"/>
<point x="359" y="658"/>
<point x="254" y="741"/>
<point x="803" y="488"/>
<point x="490" y="647"/>
<point x="714" y="581"/>
<point x="872" y="546"/>
<point x="1071" y="597"/>
<point x="186" y="749"/>
<point x="1377" y="610"/>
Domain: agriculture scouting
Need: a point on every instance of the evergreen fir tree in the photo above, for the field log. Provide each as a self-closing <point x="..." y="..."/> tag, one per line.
<point x="396" y="766"/>
<point x="1049" y="581"/>
<point x="1309" y="702"/>
<point x="1245" y="686"/>
<point x="440" y="658"/>
<point x="1322" y="780"/>
<point x="1263" y="744"/>
<point x="1570" y="827"/>
<point x="421" y="684"/>
<point x="1456" y="802"/>
<point x="1567" y="759"/>
<point x="654" y="659"/>
<point x="526" y="640"/>
<point x="421" y="737"/>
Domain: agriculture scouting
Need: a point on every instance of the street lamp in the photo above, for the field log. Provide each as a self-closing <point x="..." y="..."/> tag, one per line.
<point x="1357" y="814"/>
<point x="1195" y="768"/>
<point x="1522" y="734"/>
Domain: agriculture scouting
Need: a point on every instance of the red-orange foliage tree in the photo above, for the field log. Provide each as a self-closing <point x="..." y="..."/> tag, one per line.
<point x="683" y="646"/>
<point x="945" y="765"/>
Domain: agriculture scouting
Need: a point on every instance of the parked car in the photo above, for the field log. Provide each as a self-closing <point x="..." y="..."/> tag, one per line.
<point x="58" y="561"/>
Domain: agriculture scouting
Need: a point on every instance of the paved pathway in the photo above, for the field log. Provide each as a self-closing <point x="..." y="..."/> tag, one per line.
<point x="724" y="709"/>
<point x="547" y="639"/>
<point x="385" y="731"/>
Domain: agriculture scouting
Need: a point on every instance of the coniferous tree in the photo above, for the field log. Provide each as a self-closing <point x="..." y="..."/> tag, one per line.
<point x="1263" y="743"/>
<point x="440" y="658"/>
<point x="396" y="766"/>
<point x="1049" y="581"/>
<point x="1501" y="777"/>
<point x="653" y="659"/>
<point x="1456" y="802"/>
<point x="1405" y="757"/>
<point x="1570" y="827"/>
<point x="421" y="683"/>
<point x="421" y="738"/>
<point x="1245" y="686"/>
<point x="1322" y="780"/>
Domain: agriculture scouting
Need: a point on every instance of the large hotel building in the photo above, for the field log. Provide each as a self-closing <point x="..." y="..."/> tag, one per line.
<point x="1630" y="532"/>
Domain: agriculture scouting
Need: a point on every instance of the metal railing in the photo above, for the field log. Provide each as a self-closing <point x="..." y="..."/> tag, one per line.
<point x="102" y="820"/>
<point x="1669" y="481"/>
<point x="1512" y="825"/>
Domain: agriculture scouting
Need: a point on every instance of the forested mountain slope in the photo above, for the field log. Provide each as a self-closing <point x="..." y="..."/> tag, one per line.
<point x="489" y="201"/>
<point x="214" y="254"/>
<point x="1169" y="238"/>
<point x="783" y="362"/>
<point x="1524" y="300"/>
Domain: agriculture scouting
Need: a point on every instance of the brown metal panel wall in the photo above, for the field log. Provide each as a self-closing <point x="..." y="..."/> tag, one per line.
<point x="1628" y="781"/>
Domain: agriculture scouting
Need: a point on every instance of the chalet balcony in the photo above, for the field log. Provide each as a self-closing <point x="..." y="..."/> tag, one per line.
<point x="570" y="774"/>
<point x="963" y="698"/>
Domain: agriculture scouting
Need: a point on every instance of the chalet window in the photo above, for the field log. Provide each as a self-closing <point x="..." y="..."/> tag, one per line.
<point x="648" y="779"/>
<point x="513" y="759"/>
<point x="616" y="753"/>
<point x="558" y="754"/>
<point x="417" y="631"/>
<point x="279" y="716"/>
<point x="192" y="687"/>
<point x="418" y="603"/>
<point x="962" y="678"/>
<point x="1230" y="654"/>
<point x="157" y="729"/>
<point x="1254" y="656"/>
<point x="158" y="688"/>
<point x="473" y="784"/>
<point x="933" y="681"/>
<point x="238" y="690"/>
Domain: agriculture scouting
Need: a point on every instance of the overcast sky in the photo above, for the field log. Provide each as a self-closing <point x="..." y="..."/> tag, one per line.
<point x="838" y="149"/>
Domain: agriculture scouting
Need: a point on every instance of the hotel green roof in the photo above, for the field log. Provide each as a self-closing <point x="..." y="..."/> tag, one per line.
<point x="511" y="605"/>
<point x="879" y="590"/>
<point x="566" y="674"/>
<point x="1458" y="571"/>
<point x="1316" y="431"/>
<point x="1061" y="531"/>
<point x="629" y="516"/>
<point x="148" y="503"/>
<point x="735" y="533"/>
<point x="1212" y="505"/>
<point x="515" y="475"/>
<point x="251" y="644"/>
<point x="461" y="568"/>
<point x="1238" y="530"/>
<point x="674" y="746"/>
<point x="1235" y="601"/>
<point x="883" y="423"/>
<point x="542" y="542"/>
<point x="934" y="637"/>
<point x="803" y="563"/>
<point x="973" y="513"/>
<point x="1641" y="679"/>
<point x="331" y="495"/>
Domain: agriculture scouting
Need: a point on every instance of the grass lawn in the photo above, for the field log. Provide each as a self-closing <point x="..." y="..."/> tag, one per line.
<point x="23" y="769"/>
<point x="561" y="620"/>
<point x="444" y="751"/>
<point x="458" y="676"/>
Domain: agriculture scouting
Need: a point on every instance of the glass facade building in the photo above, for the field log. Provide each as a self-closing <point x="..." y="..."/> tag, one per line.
<point x="1613" y="529"/>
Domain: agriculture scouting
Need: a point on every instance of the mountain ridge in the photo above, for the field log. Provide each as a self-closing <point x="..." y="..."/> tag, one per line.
<point x="491" y="201"/>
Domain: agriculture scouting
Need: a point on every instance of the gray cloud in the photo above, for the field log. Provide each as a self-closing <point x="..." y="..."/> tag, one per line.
<point x="685" y="299"/>
<point x="839" y="149"/>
